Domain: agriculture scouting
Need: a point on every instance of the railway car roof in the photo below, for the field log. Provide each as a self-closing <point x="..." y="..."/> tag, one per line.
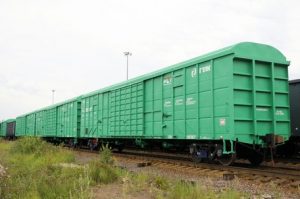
<point x="294" y="81"/>
<point x="248" y="50"/>
<point x="245" y="50"/>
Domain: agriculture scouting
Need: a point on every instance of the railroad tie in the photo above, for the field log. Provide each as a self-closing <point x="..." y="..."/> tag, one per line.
<point x="266" y="179"/>
<point x="143" y="164"/>
<point x="279" y="181"/>
<point x="296" y="184"/>
<point x="228" y="176"/>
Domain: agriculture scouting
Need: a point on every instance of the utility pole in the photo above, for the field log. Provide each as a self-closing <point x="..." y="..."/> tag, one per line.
<point x="127" y="54"/>
<point x="53" y="91"/>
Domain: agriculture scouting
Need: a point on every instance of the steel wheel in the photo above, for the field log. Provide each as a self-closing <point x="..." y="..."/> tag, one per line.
<point x="196" y="158"/>
<point x="227" y="159"/>
<point x="256" y="159"/>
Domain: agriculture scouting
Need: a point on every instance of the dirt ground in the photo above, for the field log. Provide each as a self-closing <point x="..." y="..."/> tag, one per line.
<point x="252" y="188"/>
<point x="116" y="191"/>
<point x="2" y="171"/>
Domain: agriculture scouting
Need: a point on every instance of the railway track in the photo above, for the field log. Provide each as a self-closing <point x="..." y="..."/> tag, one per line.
<point x="293" y="164"/>
<point x="283" y="176"/>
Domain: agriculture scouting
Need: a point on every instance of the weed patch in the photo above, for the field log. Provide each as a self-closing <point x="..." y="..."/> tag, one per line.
<point x="32" y="172"/>
<point x="106" y="156"/>
<point x="33" y="168"/>
<point x="102" y="173"/>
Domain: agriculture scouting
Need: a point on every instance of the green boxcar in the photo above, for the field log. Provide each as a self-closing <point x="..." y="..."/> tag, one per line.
<point x="50" y="122"/>
<point x="31" y="124"/>
<point x="46" y="121"/>
<point x="117" y="113"/>
<point x="236" y="93"/>
<point x="3" y="125"/>
<point x="10" y="128"/>
<point x="40" y="126"/>
<point x="233" y="98"/>
<point x="7" y="128"/>
<point x="67" y="118"/>
<point x="21" y="126"/>
<point x="240" y="92"/>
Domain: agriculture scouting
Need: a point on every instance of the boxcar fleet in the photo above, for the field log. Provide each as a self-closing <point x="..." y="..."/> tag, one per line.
<point x="227" y="104"/>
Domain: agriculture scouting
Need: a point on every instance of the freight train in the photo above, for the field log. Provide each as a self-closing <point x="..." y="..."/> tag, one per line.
<point x="295" y="119"/>
<point x="227" y="104"/>
<point x="8" y="129"/>
<point x="292" y="146"/>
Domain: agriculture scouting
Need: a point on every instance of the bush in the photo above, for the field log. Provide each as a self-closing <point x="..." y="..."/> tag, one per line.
<point x="105" y="155"/>
<point x="161" y="183"/>
<point x="35" y="171"/>
<point x="32" y="145"/>
<point x="59" y="182"/>
<point x="102" y="173"/>
<point x="183" y="190"/>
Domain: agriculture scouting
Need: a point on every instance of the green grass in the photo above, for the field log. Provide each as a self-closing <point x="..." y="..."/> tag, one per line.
<point x="160" y="187"/>
<point x="34" y="171"/>
<point x="37" y="169"/>
<point x="102" y="173"/>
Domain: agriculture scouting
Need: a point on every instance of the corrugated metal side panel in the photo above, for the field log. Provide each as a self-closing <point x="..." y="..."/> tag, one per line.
<point x="260" y="99"/>
<point x="126" y="111"/>
<point x="89" y="116"/>
<point x="40" y="123"/>
<point x="21" y="126"/>
<point x="191" y="103"/>
<point x="295" y="107"/>
<point x="50" y="123"/>
<point x="67" y="120"/>
<point x="118" y="113"/>
<point x="30" y="125"/>
<point x="153" y="107"/>
<point x="11" y="128"/>
<point x="105" y="113"/>
<point x="3" y="129"/>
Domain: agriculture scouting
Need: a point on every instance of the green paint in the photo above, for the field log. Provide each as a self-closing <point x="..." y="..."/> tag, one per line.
<point x="239" y="92"/>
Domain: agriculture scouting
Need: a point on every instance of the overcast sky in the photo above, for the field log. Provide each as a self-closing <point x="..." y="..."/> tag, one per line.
<point x="77" y="46"/>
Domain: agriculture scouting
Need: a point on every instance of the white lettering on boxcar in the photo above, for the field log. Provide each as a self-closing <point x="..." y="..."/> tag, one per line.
<point x="279" y="112"/>
<point x="190" y="136"/>
<point x="179" y="102"/>
<point x="262" y="109"/>
<point x="167" y="104"/>
<point x="204" y="69"/>
<point x="194" y="72"/>
<point x="190" y="101"/>
<point x="167" y="80"/>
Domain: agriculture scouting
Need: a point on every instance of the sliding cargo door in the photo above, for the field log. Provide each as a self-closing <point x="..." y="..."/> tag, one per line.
<point x="171" y="105"/>
<point x="167" y="108"/>
<point x="180" y="105"/>
<point x="67" y="120"/>
<point x="89" y="116"/>
<point x="30" y="124"/>
<point x="40" y="123"/>
<point x="153" y="108"/>
<point x="20" y="126"/>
